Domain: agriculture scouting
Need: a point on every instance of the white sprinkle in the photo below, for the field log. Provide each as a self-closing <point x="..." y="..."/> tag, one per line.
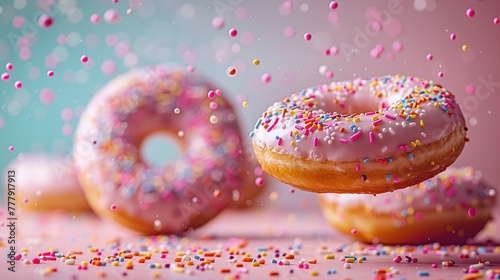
<point x="285" y="262"/>
<point x="403" y="124"/>
<point x="380" y="136"/>
<point x="477" y="266"/>
<point x="70" y="262"/>
<point x="423" y="134"/>
<point x="413" y="124"/>
<point x="384" y="149"/>
<point x="347" y="265"/>
<point x="384" y="130"/>
<point x="392" y="131"/>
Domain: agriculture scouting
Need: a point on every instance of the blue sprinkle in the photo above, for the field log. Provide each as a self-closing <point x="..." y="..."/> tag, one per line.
<point x="122" y="259"/>
<point x="366" y="160"/>
<point x="389" y="160"/>
<point x="152" y="265"/>
<point x="388" y="177"/>
<point x="252" y="133"/>
<point x="103" y="263"/>
<point x="444" y="108"/>
<point x="261" y="249"/>
<point x="423" y="273"/>
<point x="274" y="261"/>
<point x="196" y="257"/>
<point x="258" y="123"/>
<point x="352" y="127"/>
<point x="410" y="156"/>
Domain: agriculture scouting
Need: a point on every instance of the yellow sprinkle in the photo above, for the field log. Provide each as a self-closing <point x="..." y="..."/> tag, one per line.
<point x="464" y="47"/>
<point x="349" y="260"/>
<point x="292" y="143"/>
<point x="374" y="118"/>
<point x="255" y="264"/>
<point x="417" y="142"/>
<point x="349" y="119"/>
<point x="421" y="122"/>
<point x="244" y="104"/>
<point x="116" y="263"/>
<point x="155" y="274"/>
<point x="357" y="119"/>
<point x="256" y="62"/>
<point x="314" y="273"/>
<point x="84" y="263"/>
<point x="264" y="253"/>
<point x="179" y="269"/>
<point x="180" y="254"/>
<point x="432" y="163"/>
<point x="413" y="144"/>
<point x="330" y="257"/>
<point x="360" y="260"/>
<point x="129" y="264"/>
<point x="473" y="276"/>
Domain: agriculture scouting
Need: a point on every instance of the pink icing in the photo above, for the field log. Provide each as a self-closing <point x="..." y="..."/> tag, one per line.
<point x="359" y="119"/>
<point x="144" y="101"/>
<point x="463" y="187"/>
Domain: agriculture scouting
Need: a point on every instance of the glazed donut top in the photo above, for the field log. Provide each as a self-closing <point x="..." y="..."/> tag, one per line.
<point x="148" y="100"/>
<point x="359" y="119"/>
<point x="459" y="188"/>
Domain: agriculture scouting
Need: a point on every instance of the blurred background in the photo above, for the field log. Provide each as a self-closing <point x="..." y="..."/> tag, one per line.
<point x="357" y="39"/>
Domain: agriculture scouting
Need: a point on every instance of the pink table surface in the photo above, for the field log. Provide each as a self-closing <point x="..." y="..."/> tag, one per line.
<point x="263" y="229"/>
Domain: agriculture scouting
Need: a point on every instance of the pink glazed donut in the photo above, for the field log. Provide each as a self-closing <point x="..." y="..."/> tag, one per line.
<point x="361" y="136"/>
<point x="181" y="195"/>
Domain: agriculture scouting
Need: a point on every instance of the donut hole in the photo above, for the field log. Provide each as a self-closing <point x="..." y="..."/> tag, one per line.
<point x="160" y="147"/>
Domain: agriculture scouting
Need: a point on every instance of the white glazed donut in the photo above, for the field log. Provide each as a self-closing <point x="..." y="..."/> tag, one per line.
<point x="181" y="195"/>
<point x="361" y="136"/>
<point x="449" y="208"/>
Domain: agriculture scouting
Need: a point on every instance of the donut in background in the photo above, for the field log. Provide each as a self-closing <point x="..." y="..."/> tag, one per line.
<point x="449" y="208"/>
<point x="181" y="195"/>
<point x="47" y="183"/>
